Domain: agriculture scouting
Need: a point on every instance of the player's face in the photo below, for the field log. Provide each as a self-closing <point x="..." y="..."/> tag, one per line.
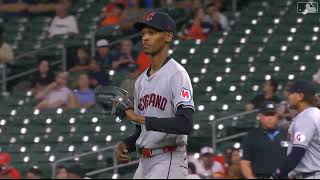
<point x="269" y="121"/>
<point x="294" y="99"/>
<point x="154" y="41"/>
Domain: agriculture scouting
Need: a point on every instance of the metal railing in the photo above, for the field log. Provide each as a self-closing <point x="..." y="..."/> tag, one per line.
<point x="56" y="163"/>
<point x="226" y="118"/>
<point x="3" y="67"/>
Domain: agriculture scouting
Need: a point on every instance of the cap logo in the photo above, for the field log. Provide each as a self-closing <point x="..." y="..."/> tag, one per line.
<point x="150" y="16"/>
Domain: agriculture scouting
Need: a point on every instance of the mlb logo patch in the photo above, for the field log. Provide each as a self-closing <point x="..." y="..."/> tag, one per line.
<point x="186" y="95"/>
<point x="300" y="137"/>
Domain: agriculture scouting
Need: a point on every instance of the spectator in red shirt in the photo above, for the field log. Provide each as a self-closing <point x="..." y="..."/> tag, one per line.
<point x="197" y="28"/>
<point x="6" y="170"/>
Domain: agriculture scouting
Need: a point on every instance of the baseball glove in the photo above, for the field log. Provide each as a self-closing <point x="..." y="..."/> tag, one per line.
<point x="114" y="99"/>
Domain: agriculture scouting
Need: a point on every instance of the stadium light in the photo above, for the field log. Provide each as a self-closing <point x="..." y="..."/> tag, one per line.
<point x="232" y="88"/>
<point x="48" y="121"/>
<point x="316" y="29"/>
<point x="170" y="51"/>
<point x="195" y="79"/>
<point x="270" y="31"/>
<point x="98" y="129"/>
<point x="277" y="68"/>
<point x="85" y="138"/>
<point x="59" y="111"/>
<point x="123" y="128"/>
<point x="252" y="69"/>
<point x="192" y="51"/>
<point x="237" y="145"/>
<point x="23" y="149"/>
<point x="94" y="120"/>
<point x="21" y="102"/>
<point x="214" y="98"/>
<point x="196" y="155"/>
<point x="260" y="13"/>
<point x="100" y="157"/>
<point x="314" y="38"/>
<point x="48" y="130"/>
<point x="291" y="77"/>
<point x="237" y="50"/>
<point x="228" y="60"/>
<point x="176" y="42"/>
<point x="52" y="158"/>
<point x="203" y="71"/>
<point x="94" y="148"/>
<point x="212" y="117"/>
<point x="112" y="72"/>
<point x="209" y="88"/>
<point x="272" y="59"/>
<point x="238" y="97"/>
<point x="13" y="140"/>
<point x="26" y="159"/>
<point x="243" y="40"/>
<point x="248" y="31"/>
<point x="108" y="138"/>
<point x="71" y="148"/>
<point x="29" y="93"/>
<point x="284" y="48"/>
<point x="198" y="41"/>
<point x="303" y="68"/>
<point x="201" y="108"/>
<point x="23" y="130"/>
<point x="220" y="127"/>
<point x="225" y="107"/>
<point x="254" y="22"/>
<point x="276" y="21"/>
<point x="290" y="39"/>
<point x="72" y="120"/>
<point x="307" y="48"/>
<point x="296" y="57"/>
<point x="196" y="127"/>
<point x="219" y="79"/>
<point x="215" y="50"/>
<point x="3" y="122"/>
<point x="227" y="70"/>
<point x="293" y="30"/>
<point x="83" y="110"/>
<point x="36" y="140"/>
<point x="243" y="78"/>
<point x="36" y="112"/>
<point x="206" y="61"/>
<point x="317" y="57"/>
<point x="115" y="176"/>
<point x="60" y="139"/>
<point x="267" y="77"/>
<point x="47" y="149"/>
<point x="220" y="41"/>
<point x="299" y="20"/>
<point x="255" y="88"/>
<point x="184" y="61"/>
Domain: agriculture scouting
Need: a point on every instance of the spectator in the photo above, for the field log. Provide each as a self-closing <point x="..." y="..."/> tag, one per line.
<point x="208" y="168"/>
<point x="197" y="28"/>
<point x="216" y="18"/>
<point x="6" y="170"/>
<point x="132" y="14"/>
<point x="43" y="77"/>
<point x="112" y="4"/>
<point x="6" y="53"/>
<point x="61" y="172"/>
<point x="234" y="171"/>
<point x="115" y="17"/>
<point x="143" y="62"/>
<point x="13" y="7"/>
<point x="48" y="6"/>
<point x="126" y="57"/>
<point x="63" y="24"/>
<point x="264" y="148"/>
<point x="84" y="94"/>
<point x="76" y="172"/>
<point x="98" y="77"/>
<point x="34" y="173"/>
<point x="56" y="95"/>
<point x="192" y="173"/>
<point x="82" y="61"/>
<point x="269" y="94"/>
<point x="104" y="56"/>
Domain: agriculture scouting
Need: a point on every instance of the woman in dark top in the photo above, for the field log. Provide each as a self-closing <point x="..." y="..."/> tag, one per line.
<point x="43" y="77"/>
<point x="82" y="62"/>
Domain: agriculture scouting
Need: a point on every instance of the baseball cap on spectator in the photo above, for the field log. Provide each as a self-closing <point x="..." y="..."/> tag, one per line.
<point x="5" y="158"/>
<point x="159" y="21"/>
<point x="268" y="108"/>
<point x="206" y="151"/>
<point x="304" y="87"/>
<point x="102" y="43"/>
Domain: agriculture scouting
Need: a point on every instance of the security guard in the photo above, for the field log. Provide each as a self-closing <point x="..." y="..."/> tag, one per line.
<point x="264" y="148"/>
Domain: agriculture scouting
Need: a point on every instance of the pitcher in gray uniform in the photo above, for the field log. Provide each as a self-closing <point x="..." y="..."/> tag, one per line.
<point x="304" y="134"/>
<point x="163" y="107"/>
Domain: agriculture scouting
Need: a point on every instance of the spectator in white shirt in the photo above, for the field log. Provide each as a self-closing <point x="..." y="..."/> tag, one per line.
<point x="57" y="95"/>
<point x="63" y="24"/>
<point x="6" y="53"/>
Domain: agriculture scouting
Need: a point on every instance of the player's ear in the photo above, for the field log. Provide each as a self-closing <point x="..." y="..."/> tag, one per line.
<point x="169" y="37"/>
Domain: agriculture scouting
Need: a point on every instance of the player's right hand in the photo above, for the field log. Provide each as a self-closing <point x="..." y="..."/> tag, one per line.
<point x="122" y="154"/>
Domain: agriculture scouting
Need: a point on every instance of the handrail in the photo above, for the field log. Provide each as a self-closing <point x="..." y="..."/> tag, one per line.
<point x="214" y="125"/>
<point x="231" y="137"/>
<point x="55" y="164"/>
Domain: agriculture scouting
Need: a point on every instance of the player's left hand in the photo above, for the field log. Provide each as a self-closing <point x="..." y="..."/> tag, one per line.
<point x="132" y="116"/>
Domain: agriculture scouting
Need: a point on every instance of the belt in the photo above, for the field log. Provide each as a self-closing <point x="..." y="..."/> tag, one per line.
<point x="149" y="153"/>
<point x="307" y="175"/>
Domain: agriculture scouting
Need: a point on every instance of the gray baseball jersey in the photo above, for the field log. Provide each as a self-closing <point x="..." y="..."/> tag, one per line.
<point x="305" y="132"/>
<point x="159" y="96"/>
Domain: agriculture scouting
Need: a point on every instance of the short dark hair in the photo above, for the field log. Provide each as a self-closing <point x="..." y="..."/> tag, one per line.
<point x="35" y="171"/>
<point x="120" y="6"/>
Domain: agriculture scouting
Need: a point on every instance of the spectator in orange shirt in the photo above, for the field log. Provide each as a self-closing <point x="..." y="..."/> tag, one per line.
<point x="6" y="170"/>
<point x="110" y="6"/>
<point x="143" y="62"/>
<point x="113" y="18"/>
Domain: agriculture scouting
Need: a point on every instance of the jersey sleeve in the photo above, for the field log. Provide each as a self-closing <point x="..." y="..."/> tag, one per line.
<point x="303" y="131"/>
<point x="182" y="91"/>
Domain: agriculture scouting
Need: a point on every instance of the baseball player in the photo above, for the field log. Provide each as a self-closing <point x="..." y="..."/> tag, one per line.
<point x="304" y="133"/>
<point x="163" y="107"/>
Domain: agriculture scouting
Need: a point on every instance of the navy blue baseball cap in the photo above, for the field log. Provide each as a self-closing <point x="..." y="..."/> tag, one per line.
<point x="159" y="21"/>
<point x="305" y="87"/>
